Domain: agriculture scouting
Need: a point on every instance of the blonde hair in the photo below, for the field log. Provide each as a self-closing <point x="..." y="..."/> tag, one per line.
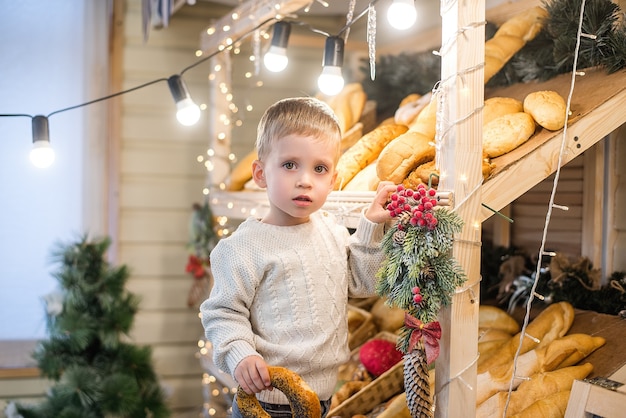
<point x="304" y="116"/>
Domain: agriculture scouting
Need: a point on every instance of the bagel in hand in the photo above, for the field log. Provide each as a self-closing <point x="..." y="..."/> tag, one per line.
<point x="303" y="401"/>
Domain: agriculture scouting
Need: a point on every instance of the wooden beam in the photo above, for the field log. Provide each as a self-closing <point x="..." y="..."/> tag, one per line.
<point x="243" y="19"/>
<point x="459" y="158"/>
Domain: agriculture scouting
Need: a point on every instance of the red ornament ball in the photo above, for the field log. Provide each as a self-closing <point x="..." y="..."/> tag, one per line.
<point x="378" y="356"/>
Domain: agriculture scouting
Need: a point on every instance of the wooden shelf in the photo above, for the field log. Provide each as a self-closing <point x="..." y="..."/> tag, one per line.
<point x="597" y="105"/>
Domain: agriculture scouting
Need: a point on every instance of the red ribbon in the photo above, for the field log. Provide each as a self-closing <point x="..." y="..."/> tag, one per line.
<point x="195" y="266"/>
<point x="431" y="333"/>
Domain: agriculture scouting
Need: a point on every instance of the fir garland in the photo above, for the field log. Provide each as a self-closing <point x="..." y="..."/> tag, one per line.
<point x="419" y="274"/>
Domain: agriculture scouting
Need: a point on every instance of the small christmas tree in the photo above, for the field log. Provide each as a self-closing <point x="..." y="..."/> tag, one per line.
<point x="97" y="374"/>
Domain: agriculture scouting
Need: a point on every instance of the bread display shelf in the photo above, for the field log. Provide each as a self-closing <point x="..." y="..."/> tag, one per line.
<point x="597" y="105"/>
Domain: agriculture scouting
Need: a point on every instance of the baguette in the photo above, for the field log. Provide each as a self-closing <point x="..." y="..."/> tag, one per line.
<point x="403" y="154"/>
<point x="364" y="180"/>
<point x="426" y="120"/>
<point x="495" y="318"/>
<point x="552" y="406"/>
<point x="551" y="323"/>
<point x="241" y="173"/>
<point x="530" y="391"/>
<point x="510" y="37"/>
<point x="542" y="359"/>
<point x="396" y="408"/>
<point x="410" y="107"/>
<point x="348" y="105"/>
<point x="365" y="151"/>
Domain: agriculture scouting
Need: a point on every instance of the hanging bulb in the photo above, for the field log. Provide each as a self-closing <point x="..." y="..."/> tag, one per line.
<point x="188" y="113"/>
<point x="331" y="82"/>
<point x="402" y="14"/>
<point x="42" y="155"/>
<point x="276" y="59"/>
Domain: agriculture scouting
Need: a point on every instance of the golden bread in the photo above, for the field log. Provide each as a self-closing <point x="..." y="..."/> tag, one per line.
<point x="365" y="151"/>
<point x="498" y="106"/>
<point x="241" y="173"/>
<point x="403" y="154"/>
<point x="506" y="133"/>
<point x="547" y="108"/>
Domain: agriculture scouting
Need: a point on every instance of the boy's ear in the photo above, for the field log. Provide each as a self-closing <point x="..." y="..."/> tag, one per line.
<point x="332" y="183"/>
<point x="258" y="174"/>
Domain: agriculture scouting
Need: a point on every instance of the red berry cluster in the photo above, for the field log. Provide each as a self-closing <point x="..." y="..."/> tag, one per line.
<point x="418" y="203"/>
<point x="417" y="296"/>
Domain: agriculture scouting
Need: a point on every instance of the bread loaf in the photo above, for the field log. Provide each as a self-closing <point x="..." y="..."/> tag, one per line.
<point x="365" y="151"/>
<point x="427" y="174"/>
<point x="403" y="154"/>
<point x="426" y="120"/>
<point x="364" y="180"/>
<point x="538" y="387"/>
<point x="552" y="406"/>
<point x="547" y="108"/>
<point x="510" y="37"/>
<point x="499" y="106"/>
<point x="396" y="408"/>
<point x="348" y="105"/>
<point x="540" y="359"/>
<point x="410" y="107"/>
<point x="506" y="133"/>
<point x="492" y="317"/>
<point x="241" y="173"/>
<point x="551" y="323"/>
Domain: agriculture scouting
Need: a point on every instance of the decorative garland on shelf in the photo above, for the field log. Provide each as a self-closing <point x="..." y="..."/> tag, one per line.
<point x="419" y="275"/>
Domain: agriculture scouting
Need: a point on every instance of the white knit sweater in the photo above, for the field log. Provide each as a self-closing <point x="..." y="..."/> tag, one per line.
<point x="281" y="292"/>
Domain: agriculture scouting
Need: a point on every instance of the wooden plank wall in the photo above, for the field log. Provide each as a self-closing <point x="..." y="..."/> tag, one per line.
<point x="529" y="214"/>
<point x="159" y="180"/>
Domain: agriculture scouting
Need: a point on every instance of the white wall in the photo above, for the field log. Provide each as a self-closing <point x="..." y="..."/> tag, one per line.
<point x="48" y="61"/>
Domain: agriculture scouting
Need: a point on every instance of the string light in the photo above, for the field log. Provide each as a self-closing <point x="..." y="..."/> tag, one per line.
<point x="402" y="14"/>
<point x="42" y="155"/>
<point x="276" y="59"/>
<point x="331" y="82"/>
<point x="187" y="113"/>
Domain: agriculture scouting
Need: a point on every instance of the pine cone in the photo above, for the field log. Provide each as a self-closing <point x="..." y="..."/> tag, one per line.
<point x="416" y="384"/>
<point x="398" y="237"/>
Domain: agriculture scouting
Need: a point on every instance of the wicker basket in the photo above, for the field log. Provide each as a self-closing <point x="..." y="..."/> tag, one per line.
<point x="364" y="331"/>
<point x="380" y="390"/>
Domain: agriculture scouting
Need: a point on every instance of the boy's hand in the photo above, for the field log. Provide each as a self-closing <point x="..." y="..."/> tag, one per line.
<point x="377" y="211"/>
<point x="252" y="375"/>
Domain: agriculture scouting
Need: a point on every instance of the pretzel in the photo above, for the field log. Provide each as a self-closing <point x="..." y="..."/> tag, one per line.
<point x="303" y="401"/>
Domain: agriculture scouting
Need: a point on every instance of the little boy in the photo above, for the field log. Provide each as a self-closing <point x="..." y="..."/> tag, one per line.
<point x="282" y="282"/>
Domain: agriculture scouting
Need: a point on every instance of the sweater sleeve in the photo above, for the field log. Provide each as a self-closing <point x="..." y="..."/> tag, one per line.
<point x="365" y="256"/>
<point x="226" y="313"/>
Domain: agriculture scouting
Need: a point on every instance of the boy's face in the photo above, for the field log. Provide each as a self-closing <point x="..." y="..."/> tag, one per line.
<point x="298" y="173"/>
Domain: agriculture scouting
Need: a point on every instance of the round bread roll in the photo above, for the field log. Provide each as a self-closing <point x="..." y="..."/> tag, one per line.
<point x="506" y="133"/>
<point x="498" y="106"/>
<point x="403" y="154"/>
<point x="547" y="108"/>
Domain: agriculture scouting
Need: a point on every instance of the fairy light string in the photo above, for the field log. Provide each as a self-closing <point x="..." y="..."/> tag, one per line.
<point x="551" y="205"/>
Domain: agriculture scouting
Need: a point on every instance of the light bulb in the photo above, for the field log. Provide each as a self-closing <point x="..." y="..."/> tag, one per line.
<point x="402" y="14"/>
<point x="42" y="154"/>
<point x="330" y="82"/>
<point x="187" y="113"/>
<point x="276" y="59"/>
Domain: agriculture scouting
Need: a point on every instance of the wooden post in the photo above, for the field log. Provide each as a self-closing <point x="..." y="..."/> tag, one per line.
<point x="459" y="159"/>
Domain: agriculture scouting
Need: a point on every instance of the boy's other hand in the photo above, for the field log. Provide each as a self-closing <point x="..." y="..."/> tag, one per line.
<point x="252" y="375"/>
